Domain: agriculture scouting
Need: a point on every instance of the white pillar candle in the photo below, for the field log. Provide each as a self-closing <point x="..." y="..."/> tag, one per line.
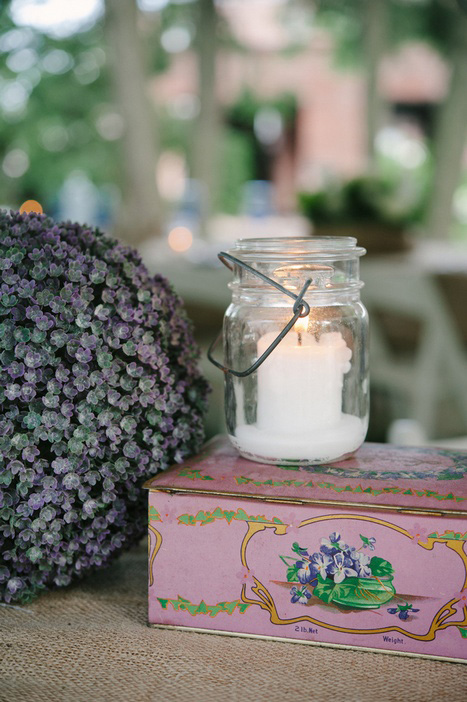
<point x="300" y="384"/>
<point x="299" y="403"/>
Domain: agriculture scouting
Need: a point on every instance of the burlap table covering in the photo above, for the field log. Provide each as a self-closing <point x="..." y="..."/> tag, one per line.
<point x="90" y="643"/>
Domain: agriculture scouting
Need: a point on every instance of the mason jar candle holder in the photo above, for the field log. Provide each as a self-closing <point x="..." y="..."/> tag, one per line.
<point x="295" y="342"/>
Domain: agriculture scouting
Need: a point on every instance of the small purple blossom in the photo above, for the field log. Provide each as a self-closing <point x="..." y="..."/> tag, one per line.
<point x="293" y="524"/>
<point x="321" y="564"/>
<point x="245" y="576"/>
<point x="300" y="594"/>
<point x="418" y="533"/>
<point x="99" y="389"/>
<point x="306" y="571"/>
<point x="368" y="542"/>
<point x="340" y="570"/>
<point x="403" y="611"/>
<point x="361" y="563"/>
<point x="333" y="544"/>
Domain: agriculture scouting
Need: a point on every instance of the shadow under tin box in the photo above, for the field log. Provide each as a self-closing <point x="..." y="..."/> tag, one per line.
<point x="368" y="552"/>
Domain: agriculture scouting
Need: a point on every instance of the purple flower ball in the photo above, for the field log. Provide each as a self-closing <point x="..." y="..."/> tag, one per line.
<point x="98" y="370"/>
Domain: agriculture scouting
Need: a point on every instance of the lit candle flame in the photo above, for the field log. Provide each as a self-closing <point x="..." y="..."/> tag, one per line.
<point x="301" y="325"/>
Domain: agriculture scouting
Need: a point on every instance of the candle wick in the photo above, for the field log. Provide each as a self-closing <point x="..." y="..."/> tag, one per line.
<point x="299" y="338"/>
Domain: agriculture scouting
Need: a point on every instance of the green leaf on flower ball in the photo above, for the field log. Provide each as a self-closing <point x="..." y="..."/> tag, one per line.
<point x="380" y="567"/>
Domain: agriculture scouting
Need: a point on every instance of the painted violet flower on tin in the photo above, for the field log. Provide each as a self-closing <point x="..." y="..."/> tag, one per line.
<point x="361" y="564"/>
<point x="305" y="571"/>
<point x="340" y="574"/>
<point x="321" y="563"/>
<point x="333" y="544"/>
<point x="340" y="569"/>
<point x="368" y="542"/>
<point x="301" y="595"/>
<point x="403" y="611"/>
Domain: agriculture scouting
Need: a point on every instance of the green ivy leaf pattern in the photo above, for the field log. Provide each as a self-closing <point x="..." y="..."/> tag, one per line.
<point x="182" y="604"/>
<point x="193" y="474"/>
<point x="243" y="480"/>
<point x="449" y="535"/>
<point x="204" y="517"/>
<point x="154" y="515"/>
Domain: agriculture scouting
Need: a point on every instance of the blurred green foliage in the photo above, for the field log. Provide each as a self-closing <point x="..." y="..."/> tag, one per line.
<point x="53" y="95"/>
<point x="56" y="106"/>
<point x="66" y="120"/>
<point x="243" y="112"/>
<point x="236" y="151"/>
<point x="240" y="119"/>
<point x="365" y="199"/>
<point x="429" y="21"/>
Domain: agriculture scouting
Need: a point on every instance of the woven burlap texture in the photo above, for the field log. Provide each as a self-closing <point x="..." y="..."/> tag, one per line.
<point x="90" y="643"/>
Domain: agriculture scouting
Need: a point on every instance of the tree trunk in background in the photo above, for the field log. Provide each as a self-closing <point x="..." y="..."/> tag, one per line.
<point x="207" y="129"/>
<point x="376" y="25"/>
<point x="450" y="136"/>
<point x="138" y="218"/>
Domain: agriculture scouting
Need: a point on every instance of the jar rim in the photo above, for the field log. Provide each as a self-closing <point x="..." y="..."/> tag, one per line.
<point x="335" y="247"/>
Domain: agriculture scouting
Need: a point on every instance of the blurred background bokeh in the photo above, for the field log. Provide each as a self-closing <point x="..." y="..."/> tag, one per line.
<point x="181" y="125"/>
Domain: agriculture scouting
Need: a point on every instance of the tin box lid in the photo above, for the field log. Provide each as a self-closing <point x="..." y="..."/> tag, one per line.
<point x="381" y="476"/>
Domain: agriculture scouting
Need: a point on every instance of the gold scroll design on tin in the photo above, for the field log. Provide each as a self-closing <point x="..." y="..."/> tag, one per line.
<point x="155" y="549"/>
<point x="266" y="601"/>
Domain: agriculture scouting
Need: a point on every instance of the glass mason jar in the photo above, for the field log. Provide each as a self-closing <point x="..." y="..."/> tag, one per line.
<point x="307" y="403"/>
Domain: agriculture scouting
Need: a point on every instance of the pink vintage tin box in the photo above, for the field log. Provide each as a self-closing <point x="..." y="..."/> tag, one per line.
<point x="369" y="552"/>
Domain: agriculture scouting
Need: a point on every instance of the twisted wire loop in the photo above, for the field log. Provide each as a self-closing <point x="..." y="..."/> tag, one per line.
<point x="301" y="308"/>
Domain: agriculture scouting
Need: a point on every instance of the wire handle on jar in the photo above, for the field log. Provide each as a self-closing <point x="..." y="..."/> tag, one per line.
<point x="301" y="308"/>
